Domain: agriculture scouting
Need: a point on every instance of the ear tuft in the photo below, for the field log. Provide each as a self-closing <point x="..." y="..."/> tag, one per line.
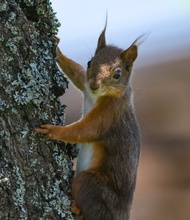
<point x="130" y="55"/>
<point x="102" y="39"/>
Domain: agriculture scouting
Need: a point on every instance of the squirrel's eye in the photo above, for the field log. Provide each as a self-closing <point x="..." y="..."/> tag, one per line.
<point x="88" y="64"/>
<point x="117" y="74"/>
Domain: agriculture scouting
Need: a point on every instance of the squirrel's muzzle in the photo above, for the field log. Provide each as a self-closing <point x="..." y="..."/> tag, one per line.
<point x="94" y="85"/>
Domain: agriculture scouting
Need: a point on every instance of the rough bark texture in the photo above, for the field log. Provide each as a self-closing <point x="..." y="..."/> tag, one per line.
<point x="35" y="173"/>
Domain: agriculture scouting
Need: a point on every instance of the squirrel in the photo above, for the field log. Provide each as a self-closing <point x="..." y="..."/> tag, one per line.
<point x="108" y="133"/>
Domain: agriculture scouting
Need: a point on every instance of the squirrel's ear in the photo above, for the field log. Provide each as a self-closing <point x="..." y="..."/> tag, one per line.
<point x="101" y="40"/>
<point x="130" y="54"/>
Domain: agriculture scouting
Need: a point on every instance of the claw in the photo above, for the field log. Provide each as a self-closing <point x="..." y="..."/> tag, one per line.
<point x="44" y="129"/>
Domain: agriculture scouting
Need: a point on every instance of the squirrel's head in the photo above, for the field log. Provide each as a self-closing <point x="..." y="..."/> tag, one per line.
<point x="109" y="70"/>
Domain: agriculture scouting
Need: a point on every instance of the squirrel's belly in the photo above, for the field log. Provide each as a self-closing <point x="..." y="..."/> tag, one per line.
<point x="86" y="149"/>
<point x="84" y="157"/>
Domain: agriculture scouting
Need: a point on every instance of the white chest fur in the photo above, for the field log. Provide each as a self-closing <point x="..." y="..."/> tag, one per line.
<point x="86" y="150"/>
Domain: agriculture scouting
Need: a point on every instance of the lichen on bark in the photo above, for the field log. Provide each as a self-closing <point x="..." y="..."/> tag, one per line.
<point x="35" y="174"/>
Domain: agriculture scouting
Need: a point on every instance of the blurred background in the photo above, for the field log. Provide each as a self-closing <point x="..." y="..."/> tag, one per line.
<point x="161" y="83"/>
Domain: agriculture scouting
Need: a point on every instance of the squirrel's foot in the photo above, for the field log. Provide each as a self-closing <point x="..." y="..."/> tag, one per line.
<point x="75" y="210"/>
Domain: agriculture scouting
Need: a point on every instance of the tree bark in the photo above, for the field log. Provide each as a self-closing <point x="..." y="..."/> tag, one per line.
<point x="35" y="174"/>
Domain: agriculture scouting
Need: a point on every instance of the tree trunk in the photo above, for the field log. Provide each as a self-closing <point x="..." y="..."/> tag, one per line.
<point x="35" y="173"/>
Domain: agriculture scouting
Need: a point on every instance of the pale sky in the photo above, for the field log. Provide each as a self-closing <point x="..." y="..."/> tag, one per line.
<point x="168" y="23"/>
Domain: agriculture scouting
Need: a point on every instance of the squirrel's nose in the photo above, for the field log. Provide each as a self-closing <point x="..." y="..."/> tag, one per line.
<point x="94" y="85"/>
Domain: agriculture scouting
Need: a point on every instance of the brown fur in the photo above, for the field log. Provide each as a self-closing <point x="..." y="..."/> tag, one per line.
<point x="104" y="190"/>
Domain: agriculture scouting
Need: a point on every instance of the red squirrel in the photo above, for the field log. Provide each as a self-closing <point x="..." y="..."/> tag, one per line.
<point x="108" y="133"/>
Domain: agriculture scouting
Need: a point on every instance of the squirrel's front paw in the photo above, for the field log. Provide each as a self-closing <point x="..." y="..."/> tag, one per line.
<point x="56" y="39"/>
<point x="47" y="130"/>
